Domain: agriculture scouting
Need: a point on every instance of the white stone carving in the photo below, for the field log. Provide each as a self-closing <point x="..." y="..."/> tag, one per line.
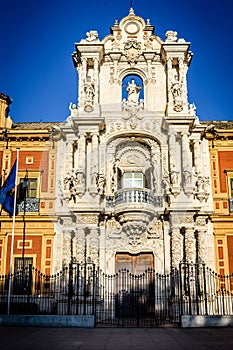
<point x="133" y="92"/>
<point x="132" y="51"/>
<point x="177" y="97"/>
<point x="89" y="91"/>
<point x="92" y="35"/>
<point x="171" y="36"/>
<point x="73" y="109"/>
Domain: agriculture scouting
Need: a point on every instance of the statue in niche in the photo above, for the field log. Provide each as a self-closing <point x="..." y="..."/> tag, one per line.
<point x="174" y="176"/>
<point x="177" y="97"/>
<point x="89" y="92"/>
<point x="187" y="176"/>
<point x="133" y="92"/>
<point x="101" y="182"/>
<point x="80" y="178"/>
<point x="176" y="90"/>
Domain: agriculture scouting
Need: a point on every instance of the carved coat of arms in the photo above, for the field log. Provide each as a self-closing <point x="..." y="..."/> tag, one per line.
<point x="132" y="50"/>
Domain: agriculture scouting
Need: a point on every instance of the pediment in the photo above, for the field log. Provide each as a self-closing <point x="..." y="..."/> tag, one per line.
<point x="132" y="33"/>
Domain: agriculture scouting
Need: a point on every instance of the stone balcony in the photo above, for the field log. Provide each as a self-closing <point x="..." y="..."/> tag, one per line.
<point x="134" y="201"/>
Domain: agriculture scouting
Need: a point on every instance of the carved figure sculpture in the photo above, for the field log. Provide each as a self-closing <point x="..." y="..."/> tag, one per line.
<point x="73" y="109"/>
<point x="177" y="97"/>
<point x="89" y="92"/>
<point x="133" y="92"/>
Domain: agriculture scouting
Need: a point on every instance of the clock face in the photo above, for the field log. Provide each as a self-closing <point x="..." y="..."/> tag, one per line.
<point x="132" y="28"/>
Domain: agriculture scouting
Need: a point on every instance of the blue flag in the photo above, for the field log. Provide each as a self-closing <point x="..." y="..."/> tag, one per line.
<point x="6" y="194"/>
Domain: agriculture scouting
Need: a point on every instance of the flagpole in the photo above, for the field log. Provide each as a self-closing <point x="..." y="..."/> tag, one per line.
<point x="12" y="236"/>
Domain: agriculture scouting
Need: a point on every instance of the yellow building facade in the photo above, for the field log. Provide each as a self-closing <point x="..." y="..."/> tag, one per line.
<point x="220" y="136"/>
<point x="36" y="179"/>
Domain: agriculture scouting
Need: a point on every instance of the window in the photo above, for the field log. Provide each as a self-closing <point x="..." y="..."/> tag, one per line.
<point x="28" y="188"/>
<point x="21" y="281"/>
<point x="131" y="180"/>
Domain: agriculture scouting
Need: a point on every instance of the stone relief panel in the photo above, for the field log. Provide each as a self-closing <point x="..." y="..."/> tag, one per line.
<point x="155" y="230"/>
<point x="133" y="156"/>
<point x="114" y="229"/>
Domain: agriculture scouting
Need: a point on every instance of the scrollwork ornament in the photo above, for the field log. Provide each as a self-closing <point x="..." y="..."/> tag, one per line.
<point x="88" y="219"/>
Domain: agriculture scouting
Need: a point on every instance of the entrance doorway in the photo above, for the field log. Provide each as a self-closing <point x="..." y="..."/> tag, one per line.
<point x="134" y="263"/>
<point x="135" y="285"/>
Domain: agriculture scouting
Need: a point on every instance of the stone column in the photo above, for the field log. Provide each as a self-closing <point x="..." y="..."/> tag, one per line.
<point x="94" y="164"/>
<point x="95" y="153"/>
<point x="68" y="166"/>
<point x="82" y="78"/>
<point x="186" y="156"/>
<point x="66" y="253"/>
<point x="82" y="153"/>
<point x="94" y="246"/>
<point x="174" y="170"/>
<point x="96" y="80"/>
<point x="205" y="157"/>
<point x="197" y="156"/>
<point x="80" y="245"/>
<point x="169" y="80"/>
<point x="156" y="159"/>
<point x="176" y="247"/>
<point x="190" y="245"/>
<point x="186" y="165"/>
<point x="202" y="244"/>
<point x="172" y="151"/>
<point x="183" y="80"/>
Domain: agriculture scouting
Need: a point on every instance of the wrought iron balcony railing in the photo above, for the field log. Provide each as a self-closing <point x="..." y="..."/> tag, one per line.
<point x="134" y="195"/>
<point x="28" y="205"/>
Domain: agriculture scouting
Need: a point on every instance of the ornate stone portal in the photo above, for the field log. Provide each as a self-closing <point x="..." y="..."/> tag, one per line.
<point x="133" y="169"/>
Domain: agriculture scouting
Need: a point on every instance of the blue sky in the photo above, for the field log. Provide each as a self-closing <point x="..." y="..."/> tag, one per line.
<point x="38" y="36"/>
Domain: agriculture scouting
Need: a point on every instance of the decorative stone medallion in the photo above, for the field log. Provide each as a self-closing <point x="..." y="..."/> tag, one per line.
<point x="132" y="28"/>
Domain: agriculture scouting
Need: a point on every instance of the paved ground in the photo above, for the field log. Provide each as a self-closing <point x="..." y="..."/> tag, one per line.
<point x="35" y="338"/>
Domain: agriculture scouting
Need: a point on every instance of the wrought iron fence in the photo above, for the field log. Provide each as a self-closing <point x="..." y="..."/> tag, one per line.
<point x="70" y="291"/>
<point x="122" y="299"/>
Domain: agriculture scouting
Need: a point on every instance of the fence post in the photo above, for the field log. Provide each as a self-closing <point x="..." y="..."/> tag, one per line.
<point x="181" y="296"/>
<point x="29" y="282"/>
<point x="85" y="290"/>
<point x="70" y="287"/>
<point x="189" y="290"/>
<point x="205" y="294"/>
<point x="93" y="289"/>
<point x="197" y="285"/>
<point x="78" y="287"/>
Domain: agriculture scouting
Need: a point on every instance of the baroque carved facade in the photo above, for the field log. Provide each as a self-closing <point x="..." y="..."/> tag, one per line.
<point x="133" y="167"/>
